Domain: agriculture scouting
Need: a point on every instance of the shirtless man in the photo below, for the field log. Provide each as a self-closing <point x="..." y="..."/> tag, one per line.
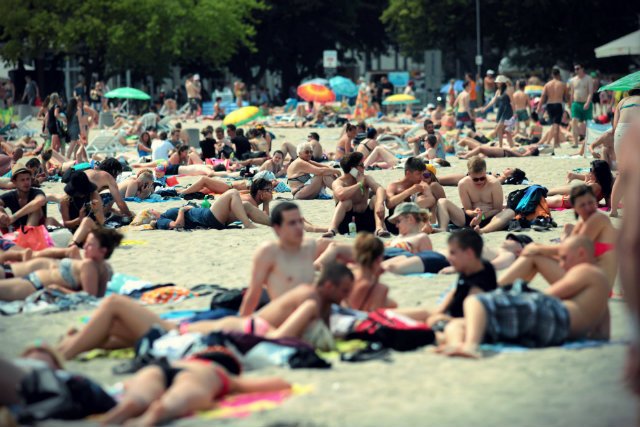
<point x="575" y="306"/>
<point x="411" y="188"/>
<point x="592" y="223"/>
<point x="482" y="202"/>
<point x="521" y="102"/>
<point x="140" y="186"/>
<point x="193" y="88"/>
<point x="580" y="96"/>
<point x="120" y="321"/>
<point x="104" y="177"/>
<point x="351" y="191"/>
<point x="464" y="112"/>
<point x="553" y="95"/>
<point x="284" y="264"/>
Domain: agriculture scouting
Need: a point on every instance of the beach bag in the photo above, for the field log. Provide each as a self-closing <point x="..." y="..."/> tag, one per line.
<point x="33" y="237"/>
<point x="392" y="331"/>
<point x="231" y="299"/>
<point x="525" y="201"/>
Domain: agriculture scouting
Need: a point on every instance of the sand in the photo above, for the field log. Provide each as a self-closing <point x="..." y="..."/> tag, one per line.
<point x="549" y="387"/>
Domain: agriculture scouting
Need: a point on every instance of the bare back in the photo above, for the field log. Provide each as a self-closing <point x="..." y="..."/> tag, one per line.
<point x="555" y="91"/>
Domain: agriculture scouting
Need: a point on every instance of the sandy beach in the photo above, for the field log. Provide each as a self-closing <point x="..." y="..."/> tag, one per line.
<point x="548" y="387"/>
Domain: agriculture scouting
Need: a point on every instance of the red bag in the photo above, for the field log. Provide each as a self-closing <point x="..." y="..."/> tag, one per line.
<point x="392" y="331"/>
<point x="35" y="238"/>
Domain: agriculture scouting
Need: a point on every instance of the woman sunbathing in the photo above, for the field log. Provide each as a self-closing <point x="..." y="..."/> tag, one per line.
<point x="166" y="391"/>
<point x="599" y="178"/>
<point x="484" y="151"/>
<point x="91" y="274"/>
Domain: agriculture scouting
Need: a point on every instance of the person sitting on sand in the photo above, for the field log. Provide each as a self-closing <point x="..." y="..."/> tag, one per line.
<point x="495" y="152"/>
<point x="429" y="176"/>
<point x="276" y="164"/>
<point x="375" y="155"/>
<point x="81" y="203"/>
<point x="352" y="192"/>
<point x="575" y="306"/>
<point x="307" y="178"/>
<point x="592" y="223"/>
<point x="506" y="176"/>
<point x="344" y="146"/>
<point x="281" y="265"/>
<point x="226" y="209"/>
<point x="599" y="178"/>
<point x="475" y="276"/>
<point x="27" y="205"/>
<point x="104" y="177"/>
<point x="608" y="154"/>
<point x="368" y="293"/>
<point x="140" y="185"/>
<point x="166" y="391"/>
<point x="91" y="274"/>
<point x="120" y="321"/>
<point x="482" y="202"/>
<point x="411" y="188"/>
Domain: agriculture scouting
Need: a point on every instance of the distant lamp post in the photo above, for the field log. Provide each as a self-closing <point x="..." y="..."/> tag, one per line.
<point x="478" y="42"/>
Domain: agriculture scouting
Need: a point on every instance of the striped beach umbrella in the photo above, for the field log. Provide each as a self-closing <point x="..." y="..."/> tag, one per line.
<point x="241" y="116"/>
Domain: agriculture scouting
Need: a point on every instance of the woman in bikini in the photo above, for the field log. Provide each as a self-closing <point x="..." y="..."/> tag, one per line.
<point x="599" y="178"/>
<point x="627" y="110"/>
<point x="308" y="178"/>
<point x="368" y="294"/>
<point x="91" y="274"/>
<point x="344" y="146"/>
<point x="591" y="223"/>
<point x="375" y="155"/>
<point x="484" y="151"/>
<point x="165" y="391"/>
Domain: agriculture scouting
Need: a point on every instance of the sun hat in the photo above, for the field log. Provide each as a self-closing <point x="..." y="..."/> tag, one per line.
<point x="17" y="169"/>
<point x="79" y="184"/>
<point x="501" y="79"/>
<point x="430" y="106"/>
<point x="523" y="239"/>
<point x="196" y="77"/>
<point x="407" y="208"/>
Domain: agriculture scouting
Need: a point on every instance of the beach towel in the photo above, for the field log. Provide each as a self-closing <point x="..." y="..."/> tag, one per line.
<point x="243" y="405"/>
<point x="166" y="294"/>
<point x="48" y="301"/>
<point x="153" y="198"/>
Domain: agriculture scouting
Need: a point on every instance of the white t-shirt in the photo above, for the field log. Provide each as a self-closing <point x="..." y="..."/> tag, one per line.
<point x="160" y="149"/>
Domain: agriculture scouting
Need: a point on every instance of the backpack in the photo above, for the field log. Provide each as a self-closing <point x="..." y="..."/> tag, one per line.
<point x="529" y="204"/>
<point x="392" y="331"/>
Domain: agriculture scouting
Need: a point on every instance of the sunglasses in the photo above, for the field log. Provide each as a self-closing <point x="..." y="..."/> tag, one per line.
<point x="427" y="175"/>
<point x="480" y="179"/>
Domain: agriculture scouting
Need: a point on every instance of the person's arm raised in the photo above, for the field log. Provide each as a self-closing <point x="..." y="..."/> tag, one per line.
<point x="260" y="270"/>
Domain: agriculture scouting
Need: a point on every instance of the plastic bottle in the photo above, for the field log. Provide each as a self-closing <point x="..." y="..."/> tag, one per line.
<point x="352" y="227"/>
<point x="205" y="203"/>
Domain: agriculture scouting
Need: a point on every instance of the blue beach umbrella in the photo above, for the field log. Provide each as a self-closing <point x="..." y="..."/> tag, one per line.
<point x="457" y="86"/>
<point x="343" y="86"/>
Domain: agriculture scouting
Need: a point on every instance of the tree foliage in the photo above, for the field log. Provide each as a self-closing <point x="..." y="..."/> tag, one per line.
<point x="294" y="33"/>
<point x="144" y="35"/>
<point x="540" y="32"/>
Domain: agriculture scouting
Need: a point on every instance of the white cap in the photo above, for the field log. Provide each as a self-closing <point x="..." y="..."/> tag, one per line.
<point x="491" y="72"/>
<point x="196" y="77"/>
<point x="430" y="106"/>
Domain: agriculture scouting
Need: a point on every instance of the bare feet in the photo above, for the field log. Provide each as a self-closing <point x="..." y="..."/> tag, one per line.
<point x="614" y="214"/>
<point x="464" y="351"/>
<point x="125" y="410"/>
<point x="27" y="254"/>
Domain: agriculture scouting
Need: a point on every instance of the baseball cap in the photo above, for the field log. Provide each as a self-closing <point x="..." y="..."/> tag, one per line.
<point x="490" y="72"/>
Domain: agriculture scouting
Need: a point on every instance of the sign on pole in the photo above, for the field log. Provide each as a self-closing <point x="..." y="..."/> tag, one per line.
<point x="330" y="59"/>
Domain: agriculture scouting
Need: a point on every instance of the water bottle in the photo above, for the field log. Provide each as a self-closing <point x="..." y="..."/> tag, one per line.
<point x="352" y="227"/>
<point x="205" y="203"/>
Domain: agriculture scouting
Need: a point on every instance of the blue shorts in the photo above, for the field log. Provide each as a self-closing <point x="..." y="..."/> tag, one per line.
<point x="193" y="218"/>
<point x="432" y="261"/>
<point x="464" y="119"/>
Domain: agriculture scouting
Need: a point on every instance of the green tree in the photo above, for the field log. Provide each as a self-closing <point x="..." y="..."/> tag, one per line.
<point x="110" y="36"/>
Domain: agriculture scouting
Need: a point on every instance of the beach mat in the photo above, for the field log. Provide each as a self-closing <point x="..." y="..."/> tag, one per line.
<point x="243" y="405"/>
<point x="572" y="345"/>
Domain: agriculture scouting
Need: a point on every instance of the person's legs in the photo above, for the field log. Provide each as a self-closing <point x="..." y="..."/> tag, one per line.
<point x="230" y="203"/>
<point x="116" y="318"/>
<point x="386" y="159"/>
<point x="81" y="233"/>
<point x="575" y="130"/>
<point x="498" y="222"/>
<point x="190" y="391"/>
<point x="500" y="133"/>
<point x="403" y="265"/>
<point x="256" y="215"/>
<point x="378" y="218"/>
<point x="214" y="185"/>
<point x="295" y="325"/>
<point x="616" y="194"/>
<point x="311" y="190"/>
<point x="195" y="170"/>
<point x="469" y="143"/>
<point x="338" y="216"/>
<point x="555" y="133"/>
<point x="526" y="267"/>
<point x="447" y="212"/>
<point x="475" y="317"/>
<point x="35" y="218"/>
<point x="142" y="390"/>
<point x="290" y="149"/>
<point x="15" y="289"/>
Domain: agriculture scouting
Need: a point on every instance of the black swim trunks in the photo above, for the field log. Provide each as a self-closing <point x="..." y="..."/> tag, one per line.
<point x="168" y="371"/>
<point x="365" y="221"/>
<point x="172" y="169"/>
<point x="555" y="113"/>
<point x="467" y="220"/>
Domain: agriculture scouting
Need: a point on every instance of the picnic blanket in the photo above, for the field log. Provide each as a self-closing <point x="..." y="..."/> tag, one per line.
<point x="47" y="301"/>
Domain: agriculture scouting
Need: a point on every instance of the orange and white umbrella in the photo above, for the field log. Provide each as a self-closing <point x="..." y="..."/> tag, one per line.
<point x="312" y="92"/>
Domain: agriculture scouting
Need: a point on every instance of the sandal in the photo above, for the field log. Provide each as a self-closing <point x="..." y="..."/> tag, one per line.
<point x="330" y="234"/>
<point x="382" y="233"/>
